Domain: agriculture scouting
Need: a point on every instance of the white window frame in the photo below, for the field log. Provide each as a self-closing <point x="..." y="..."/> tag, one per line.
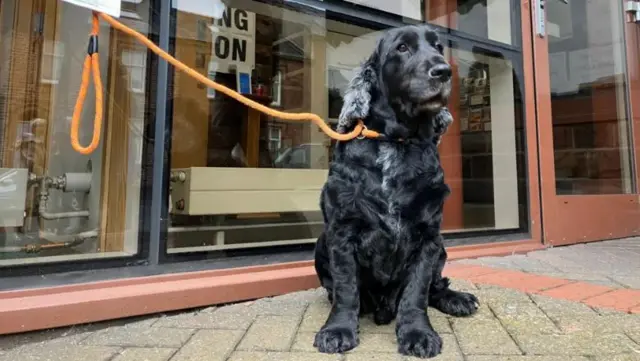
<point x="129" y="57"/>
<point x="276" y="89"/>
<point x="275" y="138"/>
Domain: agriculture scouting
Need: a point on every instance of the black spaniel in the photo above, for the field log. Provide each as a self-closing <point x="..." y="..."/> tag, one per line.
<point x="381" y="251"/>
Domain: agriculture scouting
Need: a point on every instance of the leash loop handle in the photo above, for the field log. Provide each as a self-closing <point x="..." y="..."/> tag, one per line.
<point x="91" y="66"/>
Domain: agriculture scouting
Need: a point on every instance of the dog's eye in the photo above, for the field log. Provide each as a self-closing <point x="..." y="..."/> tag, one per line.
<point x="440" y="48"/>
<point x="403" y="48"/>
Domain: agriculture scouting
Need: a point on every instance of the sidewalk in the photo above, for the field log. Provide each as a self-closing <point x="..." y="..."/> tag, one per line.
<point x="611" y="263"/>
<point x="524" y="316"/>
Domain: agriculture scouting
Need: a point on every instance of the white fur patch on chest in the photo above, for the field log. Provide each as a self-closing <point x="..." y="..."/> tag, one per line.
<point x="390" y="159"/>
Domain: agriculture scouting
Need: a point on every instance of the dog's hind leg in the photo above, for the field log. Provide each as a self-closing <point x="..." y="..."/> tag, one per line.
<point x="446" y="300"/>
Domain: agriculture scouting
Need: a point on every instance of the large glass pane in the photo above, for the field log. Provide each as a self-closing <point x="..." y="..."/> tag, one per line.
<point x="488" y="137"/>
<point x="489" y="19"/>
<point x="55" y="203"/>
<point x="243" y="180"/>
<point x="588" y="97"/>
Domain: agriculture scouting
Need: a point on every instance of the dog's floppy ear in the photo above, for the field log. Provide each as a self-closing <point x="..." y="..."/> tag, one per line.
<point x="357" y="97"/>
<point x="441" y="123"/>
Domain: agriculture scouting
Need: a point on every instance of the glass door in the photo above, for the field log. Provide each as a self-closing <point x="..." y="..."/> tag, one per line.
<point x="587" y="70"/>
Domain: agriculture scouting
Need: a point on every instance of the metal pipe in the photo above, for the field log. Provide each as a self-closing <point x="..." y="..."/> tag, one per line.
<point x="66" y="241"/>
<point x="45" y="184"/>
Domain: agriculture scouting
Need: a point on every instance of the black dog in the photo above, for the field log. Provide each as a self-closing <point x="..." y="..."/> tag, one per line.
<point x="381" y="250"/>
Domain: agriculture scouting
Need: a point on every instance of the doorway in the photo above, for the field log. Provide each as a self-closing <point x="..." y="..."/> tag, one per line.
<point x="587" y="71"/>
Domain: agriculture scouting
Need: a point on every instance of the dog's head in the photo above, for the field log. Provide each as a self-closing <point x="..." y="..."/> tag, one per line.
<point x="406" y="74"/>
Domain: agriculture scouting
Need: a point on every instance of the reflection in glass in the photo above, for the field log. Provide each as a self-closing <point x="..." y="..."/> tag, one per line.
<point x="588" y="98"/>
<point x="53" y="200"/>
<point x="491" y="20"/>
<point x="409" y="9"/>
<point x="243" y="180"/>
<point x="488" y="106"/>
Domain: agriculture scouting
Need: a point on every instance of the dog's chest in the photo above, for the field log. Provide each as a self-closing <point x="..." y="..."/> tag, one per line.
<point x="410" y="175"/>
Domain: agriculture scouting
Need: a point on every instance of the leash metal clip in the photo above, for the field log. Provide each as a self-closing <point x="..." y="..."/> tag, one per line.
<point x="362" y="136"/>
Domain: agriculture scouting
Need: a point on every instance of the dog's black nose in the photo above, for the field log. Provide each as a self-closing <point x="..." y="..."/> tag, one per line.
<point x="441" y="72"/>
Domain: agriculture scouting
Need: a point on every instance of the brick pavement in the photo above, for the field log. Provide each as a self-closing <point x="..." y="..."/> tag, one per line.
<point x="511" y="325"/>
<point x="577" y="303"/>
<point x="611" y="263"/>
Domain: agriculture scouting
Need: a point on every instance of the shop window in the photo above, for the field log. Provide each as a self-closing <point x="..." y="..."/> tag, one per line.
<point x="261" y="177"/>
<point x="57" y="205"/>
<point x="487" y="106"/>
<point x="593" y="150"/>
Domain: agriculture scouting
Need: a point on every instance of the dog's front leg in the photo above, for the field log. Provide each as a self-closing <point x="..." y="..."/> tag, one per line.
<point x="340" y="332"/>
<point x="416" y="336"/>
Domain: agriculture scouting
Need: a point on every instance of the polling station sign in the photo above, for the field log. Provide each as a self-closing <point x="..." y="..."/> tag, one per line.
<point x="233" y="44"/>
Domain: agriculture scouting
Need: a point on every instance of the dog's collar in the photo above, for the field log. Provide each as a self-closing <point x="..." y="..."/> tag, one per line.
<point x="372" y="134"/>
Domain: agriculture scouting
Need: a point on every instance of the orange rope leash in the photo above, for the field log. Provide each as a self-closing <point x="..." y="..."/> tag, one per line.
<point x="91" y="64"/>
<point x="92" y="59"/>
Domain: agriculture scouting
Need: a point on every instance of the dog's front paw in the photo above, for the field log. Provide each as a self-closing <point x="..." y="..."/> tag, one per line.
<point x="456" y="303"/>
<point x="421" y="342"/>
<point x="336" y="339"/>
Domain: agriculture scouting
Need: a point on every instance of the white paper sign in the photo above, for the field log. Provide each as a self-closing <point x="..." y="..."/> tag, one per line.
<point x="208" y="8"/>
<point x="109" y="7"/>
<point x="233" y="44"/>
<point x="407" y="8"/>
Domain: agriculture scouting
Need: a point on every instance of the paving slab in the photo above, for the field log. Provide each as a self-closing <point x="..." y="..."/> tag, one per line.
<point x="216" y="320"/>
<point x="610" y="263"/>
<point x="635" y="336"/>
<point x="376" y="356"/>
<point x="527" y="358"/>
<point x="462" y="285"/>
<point x="280" y="307"/>
<point x="282" y="356"/>
<point x="61" y="352"/>
<point x="635" y="356"/>
<point x="578" y="343"/>
<point x="490" y="294"/>
<point x="136" y="337"/>
<point x="315" y="316"/>
<point x="620" y="323"/>
<point x="47" y="338"/>
<point x="626" y="280"/>
<point x="236" y="317"/>
<point x="521" y="317"/>
<point x="303" y="342"/>
<point x="555" y="308"/>
<point x="270" y="333"/>
<point x="484" y="337"/>
<point x="209" y="345"/>
<point x="145" y="354"/>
